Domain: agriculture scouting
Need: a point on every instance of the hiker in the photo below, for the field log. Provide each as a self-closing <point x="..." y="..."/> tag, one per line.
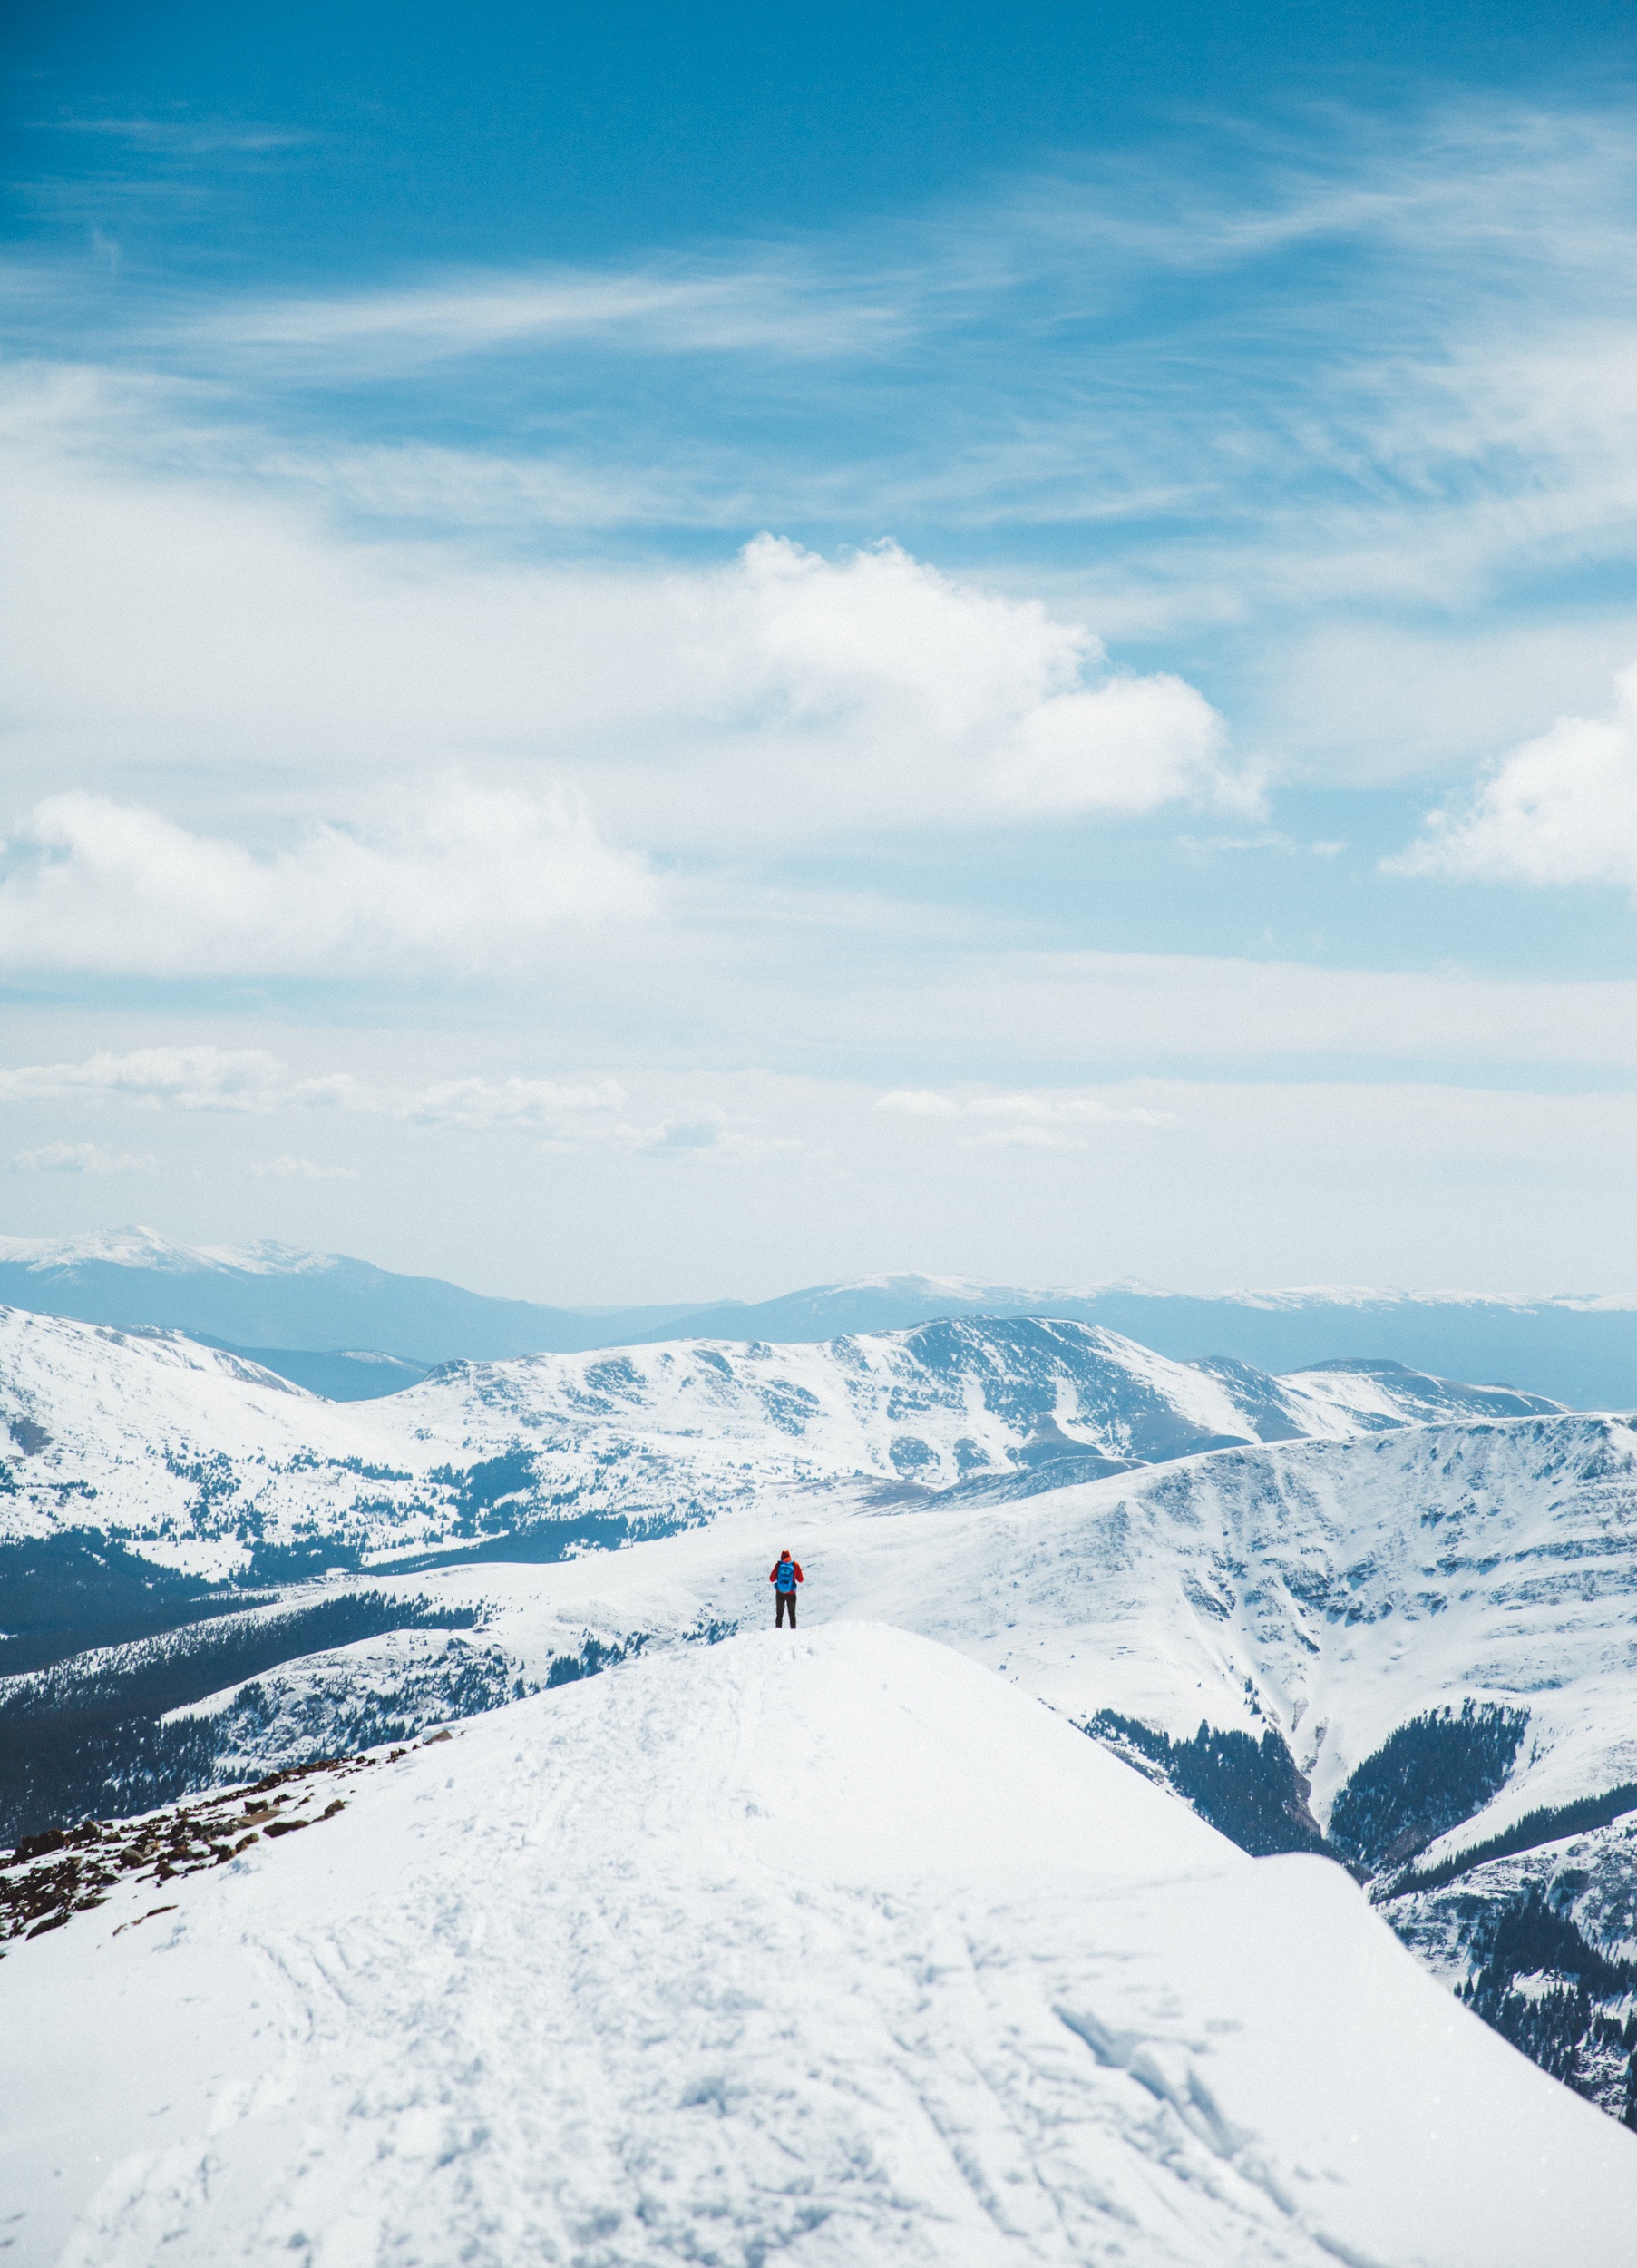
<point x="784" y="1577"/>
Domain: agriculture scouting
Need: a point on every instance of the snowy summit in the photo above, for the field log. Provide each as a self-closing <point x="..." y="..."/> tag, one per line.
<point x="833" y="1948"/>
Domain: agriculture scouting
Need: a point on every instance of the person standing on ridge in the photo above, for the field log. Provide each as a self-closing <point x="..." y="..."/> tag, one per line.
<point x="784" y="1577"/>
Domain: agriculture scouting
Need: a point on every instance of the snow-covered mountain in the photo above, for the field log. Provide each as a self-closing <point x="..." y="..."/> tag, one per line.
<point x="205" y="1463"/>
<point x="288" y="1304"/>
<point x="1352" y="1609"/>
<point x="831" y="1947"/>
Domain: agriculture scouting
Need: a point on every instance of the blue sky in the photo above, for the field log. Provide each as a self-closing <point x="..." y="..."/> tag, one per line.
<point x="669" y="655"/>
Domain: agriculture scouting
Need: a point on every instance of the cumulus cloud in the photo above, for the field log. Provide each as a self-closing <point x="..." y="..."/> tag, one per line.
<point x="1024" y="1122"/>
<point x="915" y="697"/>
<point x="459" y="882"/>
<point x="80" y="1158"/>
<point x="1561" y="808"/>
<point x="179" y="1079"/>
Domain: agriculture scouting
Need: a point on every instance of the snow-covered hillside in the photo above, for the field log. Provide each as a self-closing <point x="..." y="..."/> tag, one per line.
<point x="201" y="1461"/>
<point x="1329" y="1591"/>
<point x="833" y="1948"/>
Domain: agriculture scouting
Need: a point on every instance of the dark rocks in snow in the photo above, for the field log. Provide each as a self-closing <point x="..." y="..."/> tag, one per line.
<point x="43" y="1889"/>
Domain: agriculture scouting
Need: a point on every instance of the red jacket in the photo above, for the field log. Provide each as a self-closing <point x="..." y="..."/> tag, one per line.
<point x="796" y="1565"/>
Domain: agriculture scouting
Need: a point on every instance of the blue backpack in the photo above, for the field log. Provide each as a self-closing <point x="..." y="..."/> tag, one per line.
<point x="786" y="1577"/>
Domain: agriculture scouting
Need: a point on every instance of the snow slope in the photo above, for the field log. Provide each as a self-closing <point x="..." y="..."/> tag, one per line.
<point x="833" y="1946"/>
<point x="1330" y="1590"/>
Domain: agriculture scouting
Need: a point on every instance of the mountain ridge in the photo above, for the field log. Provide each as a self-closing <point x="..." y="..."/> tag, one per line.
<point x="281" y="1304"/>
<point x="809" y="1945"/>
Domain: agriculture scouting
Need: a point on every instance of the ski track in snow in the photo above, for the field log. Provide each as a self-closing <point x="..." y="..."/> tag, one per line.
<point x="833" y="1950"/>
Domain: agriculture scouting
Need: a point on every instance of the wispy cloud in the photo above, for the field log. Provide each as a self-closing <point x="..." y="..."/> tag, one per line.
<point x="289" y="1168"/>
<point x="81" y="1158"/>
<point x="530" y="1106"/>
<point x="1024" y="1122"/>
<point x="590" y="1117"/>
<point x="699" y="307"/>
<point x="184" y="137"/>
<point x="780" y="697"/>
<point x="1398" y="378"/>
<point x="179" y="1079"/>
<point x="582" y="1116"/>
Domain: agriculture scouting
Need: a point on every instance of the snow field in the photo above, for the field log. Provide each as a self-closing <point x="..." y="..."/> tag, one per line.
<point x="836" y="1947"/>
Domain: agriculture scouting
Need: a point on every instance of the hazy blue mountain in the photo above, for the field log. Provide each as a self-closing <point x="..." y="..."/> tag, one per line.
<point x="337" y="1377"/>
<point x="281" y="1301"/>
<point x="283" y="1306"/>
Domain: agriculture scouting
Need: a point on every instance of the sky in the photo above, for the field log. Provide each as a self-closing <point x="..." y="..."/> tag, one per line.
<point x="655" y="654"/>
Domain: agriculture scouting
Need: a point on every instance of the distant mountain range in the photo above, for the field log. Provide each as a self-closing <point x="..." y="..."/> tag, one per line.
<point x="351" y="1331"/>
<point x="133" y="1462"/>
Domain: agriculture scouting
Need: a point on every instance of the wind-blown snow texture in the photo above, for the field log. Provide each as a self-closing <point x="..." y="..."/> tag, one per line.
<point x="832" y="1947"/>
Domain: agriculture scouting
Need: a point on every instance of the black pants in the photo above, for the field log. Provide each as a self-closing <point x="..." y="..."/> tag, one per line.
<point x="786" y="1599"/>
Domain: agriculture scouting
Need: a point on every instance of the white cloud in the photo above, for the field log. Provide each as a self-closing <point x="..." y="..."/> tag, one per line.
<point x="907" y="697"/>
<point x="287" y="1169"/>
<point x="1129" y="745"/>
<point x="1027" y="1134"/>
<point x="779" y="305"/>
<point x="189" y="137"/>
<point x="457" y="884"/>
<point x="1025" y="1122"/>
<point x="1033" y="1121"/>
<point x="707" y="1131"/>
<point x="918" y="1102"/>
<point x="784" y="695"/>
<point x="588" y="1115"/>
<point x="591" y="1116"/>
<point x="1561" y="808"/>
<point x="1451" y="418"/>
<point x="80" y="1158"/>
<point x="532" y="1105"/>
<point x="179" y="1079"/>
